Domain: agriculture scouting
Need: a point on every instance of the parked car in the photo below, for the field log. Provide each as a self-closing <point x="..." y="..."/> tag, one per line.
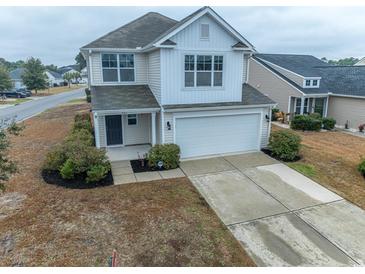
<point x="13" y="94"/>
<point x="26" y="91"/>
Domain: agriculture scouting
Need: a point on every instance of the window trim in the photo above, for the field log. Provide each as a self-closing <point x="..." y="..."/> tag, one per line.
<point x="311" y="82"/>
<point x="195" y="87"/>
<point x="118" y="68"/>
<point x="136" y="117"/>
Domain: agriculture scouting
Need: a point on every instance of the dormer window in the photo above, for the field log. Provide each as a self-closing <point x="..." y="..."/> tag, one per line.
<point x="311" y="83"/>
<point x="204" y="31"/>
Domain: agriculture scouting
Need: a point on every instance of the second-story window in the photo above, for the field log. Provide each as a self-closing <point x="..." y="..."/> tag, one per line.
<point x="110" y="67"/>
<point x="203" y="71"/>
<point x="118" y="67"/>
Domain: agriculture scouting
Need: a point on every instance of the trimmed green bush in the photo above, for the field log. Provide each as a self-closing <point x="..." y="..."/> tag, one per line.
<point x="361" y="167"/>
<point x="169" y="154"/>
<point x="96" y="173"/>
<point x="82" y="121"/>
<point x="55" y="158"/>
<point x="67" y="170"/>
<point x="285" y="144"/>
<point x="328" y="123"/>
<point x="306" y="122"/>
<point x="88" y="98"/>
<point x="83" y="135"/>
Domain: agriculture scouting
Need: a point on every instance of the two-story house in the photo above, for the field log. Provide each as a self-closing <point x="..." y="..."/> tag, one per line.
<point x="157" y="80"/>
<point x="303" y="84"/>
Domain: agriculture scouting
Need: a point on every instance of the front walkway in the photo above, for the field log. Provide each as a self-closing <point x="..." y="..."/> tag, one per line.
<point x="281" y="217"/>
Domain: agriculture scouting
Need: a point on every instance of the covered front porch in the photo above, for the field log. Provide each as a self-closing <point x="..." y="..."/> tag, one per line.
<point x="124" y="153"/>
<point x="308" y="104"/>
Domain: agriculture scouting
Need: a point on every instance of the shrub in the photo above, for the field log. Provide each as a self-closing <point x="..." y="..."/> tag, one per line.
<point x="274" y="113"/>
<point x="88" y="98"/>
<point x="361" y="127"/>
<point x="96" y="173"/>
<point x="328" y="123"/>
<point x="67" y="170"/>
<point x="361" y="167"/>
<point x="82" y="121"/>
<point x="83" y="135"/>
<point x="169" y="154"/>
<point x="306" y="122"/>
<point x="55" y="159"/>
<point x="285" y="145"/>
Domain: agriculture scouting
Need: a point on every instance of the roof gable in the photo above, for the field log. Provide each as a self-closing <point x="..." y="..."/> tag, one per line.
<point x="195" y="16"/>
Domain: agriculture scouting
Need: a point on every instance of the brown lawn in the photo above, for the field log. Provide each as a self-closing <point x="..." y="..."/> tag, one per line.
<point x="335" y="156"/>
<point x="56" y="90"/>
<point x="160" y="223"/>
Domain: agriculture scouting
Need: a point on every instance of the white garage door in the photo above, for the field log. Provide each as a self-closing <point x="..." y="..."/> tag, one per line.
<point x="200" y="136"/>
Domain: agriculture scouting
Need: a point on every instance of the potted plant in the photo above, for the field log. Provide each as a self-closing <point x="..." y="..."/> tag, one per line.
<point x="361" y="127"/>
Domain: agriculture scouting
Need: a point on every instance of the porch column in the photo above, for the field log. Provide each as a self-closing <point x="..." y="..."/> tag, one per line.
<point x="325" y="107"/>
<point x="313" y="104"/>
<point x="153" y="127"/>
<point x="302" y="106"/>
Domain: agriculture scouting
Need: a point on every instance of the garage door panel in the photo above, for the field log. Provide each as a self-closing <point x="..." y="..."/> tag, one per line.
<point x="199" y="136"/>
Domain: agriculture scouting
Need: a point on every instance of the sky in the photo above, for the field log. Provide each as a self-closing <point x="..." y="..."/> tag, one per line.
<point x="55" y="34"/>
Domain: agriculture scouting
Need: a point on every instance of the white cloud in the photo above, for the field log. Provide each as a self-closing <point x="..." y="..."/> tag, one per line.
<point x="55" y="34"/>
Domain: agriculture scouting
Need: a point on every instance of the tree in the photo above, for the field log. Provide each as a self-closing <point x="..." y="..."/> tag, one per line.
<point x="9" y="66"/>
<point x="80" y="61"/>
<point x="34" y="76"/>
<point x="76" y="76"/>
<point x="51" y="67"/>
<point x="68" y="76"/>
<point x="7" y="166"/>
<point x="349" y="61"/>
<point x="5" y="80"/>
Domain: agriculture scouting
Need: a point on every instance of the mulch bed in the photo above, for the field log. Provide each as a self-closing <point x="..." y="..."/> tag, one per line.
<point x="138" y="168"/>
<point x="54" y="178"/>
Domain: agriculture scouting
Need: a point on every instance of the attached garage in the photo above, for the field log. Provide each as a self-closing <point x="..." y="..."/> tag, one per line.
<point x="217" y="134"/>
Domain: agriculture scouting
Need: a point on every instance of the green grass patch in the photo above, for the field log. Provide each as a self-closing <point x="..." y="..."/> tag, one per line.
<point x="305" y="169"/>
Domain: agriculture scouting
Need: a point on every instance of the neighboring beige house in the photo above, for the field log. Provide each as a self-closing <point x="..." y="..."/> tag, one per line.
<point x="303" y="84"/>
<point x="156" y="80"/>
<point x="361" y="62"/>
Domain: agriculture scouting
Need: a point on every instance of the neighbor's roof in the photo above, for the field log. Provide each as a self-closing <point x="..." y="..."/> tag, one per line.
<point x="122" y="97"/>
<point x="138" y="33"/>
<point x="301" y="64"/>
<point x="250" y="96"/>
<point x="55" y="74"/>
<point x="16" y="74"/>
<point x="343" y="80"/>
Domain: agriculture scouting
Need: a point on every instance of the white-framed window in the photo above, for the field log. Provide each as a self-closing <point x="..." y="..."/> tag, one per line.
<point x="311" y="83"/>
<point x="132" y="119"/>
<point x="118" y="67"/>
<point x="204" y="31"/>
<point x="203" y="70"/>
<point x="299" y="103"/>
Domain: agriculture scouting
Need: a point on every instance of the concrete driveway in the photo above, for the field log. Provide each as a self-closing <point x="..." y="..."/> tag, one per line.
<point x="281" y="217"/>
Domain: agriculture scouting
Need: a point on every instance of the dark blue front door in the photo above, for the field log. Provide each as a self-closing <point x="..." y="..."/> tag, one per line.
<point x="114" y="131"/>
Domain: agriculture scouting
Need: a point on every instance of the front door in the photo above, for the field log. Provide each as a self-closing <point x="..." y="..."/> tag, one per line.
<point x="114" y="131"/>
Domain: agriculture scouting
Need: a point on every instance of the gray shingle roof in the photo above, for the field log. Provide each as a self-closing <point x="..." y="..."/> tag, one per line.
<point x="250" y="96"/>
<point x="55" y="74"/>
<point x="300" y="64"/>
<point x="122" y="97"/>
<point x="138" y="33"/>
<point x="16" y="74"/>
<point x="346" y="80"/>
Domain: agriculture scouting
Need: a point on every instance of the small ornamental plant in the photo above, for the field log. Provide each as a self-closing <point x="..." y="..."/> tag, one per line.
<point x="361" y="127"/>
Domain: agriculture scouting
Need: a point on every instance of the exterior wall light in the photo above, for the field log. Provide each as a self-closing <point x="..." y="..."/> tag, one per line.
<point x="168" y="125"/>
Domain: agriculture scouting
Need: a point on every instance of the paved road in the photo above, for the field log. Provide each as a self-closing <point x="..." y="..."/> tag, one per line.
<point x="28" y="109"/>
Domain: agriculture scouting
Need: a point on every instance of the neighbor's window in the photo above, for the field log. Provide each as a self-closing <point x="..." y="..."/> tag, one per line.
<point x="110" y="67"/>
<point x="132" y="119"/>
<point x="203" y="71"/>
<point x="315" y="82"/>
<point x="307" y="83"/>
<point x="204" y="31"/>
<point x="118" y="67"/>
<point x="126" y="65"/>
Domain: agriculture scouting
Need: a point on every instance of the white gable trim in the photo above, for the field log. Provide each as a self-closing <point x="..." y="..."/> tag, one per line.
<point x="278" y="76"/>
<point x="219" y="19"/>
